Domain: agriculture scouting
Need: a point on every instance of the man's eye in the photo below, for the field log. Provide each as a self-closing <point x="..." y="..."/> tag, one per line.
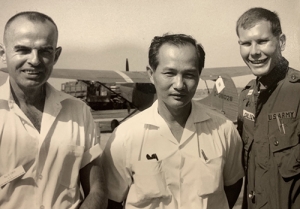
<point x="190" y="76"/>
<point x="169" y="73"/>
<point x="23" y="51"/>
<point x="45" y="51"/>
<point x="262" y="42"/>
<point x="245" y="44"/>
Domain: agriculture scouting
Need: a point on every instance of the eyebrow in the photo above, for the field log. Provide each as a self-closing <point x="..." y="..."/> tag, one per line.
<point x="26" y="47"/>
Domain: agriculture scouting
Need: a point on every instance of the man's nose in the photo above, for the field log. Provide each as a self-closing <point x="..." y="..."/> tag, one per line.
<point x="255" y="49"/>
<point x="34" y="58"/>
<point x="179" y="82"/>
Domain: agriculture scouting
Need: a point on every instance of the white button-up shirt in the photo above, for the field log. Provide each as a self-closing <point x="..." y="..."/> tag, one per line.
<point x="148" y="167"/>
<point x="51" y="159"/>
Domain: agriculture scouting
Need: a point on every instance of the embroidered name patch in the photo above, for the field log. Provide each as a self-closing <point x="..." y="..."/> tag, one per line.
<point x="248" y="115"/>
<point x="281" y="115"/>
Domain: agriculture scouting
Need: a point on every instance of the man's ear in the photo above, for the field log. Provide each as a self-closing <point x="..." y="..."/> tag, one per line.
<point x="150" y="74"/>
<point x="282" y="41"/>
<point x="57" y="54"/>
<point x="2" y="53"/>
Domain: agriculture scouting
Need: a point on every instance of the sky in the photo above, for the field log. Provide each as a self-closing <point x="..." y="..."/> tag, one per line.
<point x="100" y="35"/>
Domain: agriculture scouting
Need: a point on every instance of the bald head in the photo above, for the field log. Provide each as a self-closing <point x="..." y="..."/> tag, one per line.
<point x="32" y="16"/>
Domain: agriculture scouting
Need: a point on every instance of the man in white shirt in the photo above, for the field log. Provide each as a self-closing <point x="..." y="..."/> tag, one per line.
<point x="48" y="144"/>
<point x="177" y="153"/>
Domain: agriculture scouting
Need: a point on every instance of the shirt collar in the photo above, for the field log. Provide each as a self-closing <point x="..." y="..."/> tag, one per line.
<point x="52" y="94"/>
<point x="276" y="75"/>
<point x="197" y="115"/>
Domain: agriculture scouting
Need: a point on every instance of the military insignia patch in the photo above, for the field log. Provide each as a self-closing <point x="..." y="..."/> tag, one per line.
<point x="281" y="115"/>
<point x="248" y="115"/>
<point x="250" y="92"/>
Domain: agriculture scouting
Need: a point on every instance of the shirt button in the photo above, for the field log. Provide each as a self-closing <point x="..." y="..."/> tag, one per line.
<point x="298" y="160"/>
<point x="181" y="180"/>
<point x="42" y="207"/>
<point x="41" y="177"/>
<point x="276" y="143"/>
<point x="251" y="195"/>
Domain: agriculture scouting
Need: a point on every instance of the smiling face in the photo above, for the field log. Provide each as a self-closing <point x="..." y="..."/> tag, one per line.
<point x="259" y="48"/>
<point x="30" y="52"/>
<point x="176" y="76"/>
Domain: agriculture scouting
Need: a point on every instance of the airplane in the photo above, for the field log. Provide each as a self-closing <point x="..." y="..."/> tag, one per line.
<point x="137" y="90"/>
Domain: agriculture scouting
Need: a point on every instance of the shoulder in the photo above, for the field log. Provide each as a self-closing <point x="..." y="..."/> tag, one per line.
<point x="293" y="76"/>
<point x="212" y="113"/>
<point x="215" y="117"/>
<point x="248" y="87"/>
<point x="133" y="126"/>
<point x="70" y="106"/>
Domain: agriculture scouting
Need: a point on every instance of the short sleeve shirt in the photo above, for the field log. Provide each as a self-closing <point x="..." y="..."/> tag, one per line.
<point x="148" y="167"/>
<point x="50" y="158"/>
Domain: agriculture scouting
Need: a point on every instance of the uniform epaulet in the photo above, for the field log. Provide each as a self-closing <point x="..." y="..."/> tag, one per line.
<point x="249" y="85"/>
<point x="294" y="76"/>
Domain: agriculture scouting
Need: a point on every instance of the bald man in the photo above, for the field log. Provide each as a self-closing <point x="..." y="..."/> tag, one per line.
<point x="48" y="145"/>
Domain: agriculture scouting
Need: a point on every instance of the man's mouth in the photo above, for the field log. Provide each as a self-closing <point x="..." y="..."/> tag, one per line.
<point x="178" y="95"/>
<point x="31" y="72"/>
<point x="257" y="62"/>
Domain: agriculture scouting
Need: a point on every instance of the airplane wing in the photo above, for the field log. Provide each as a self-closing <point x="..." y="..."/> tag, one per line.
<point x="214" y="73"/>
<point x="103" y="76"/>
<point x="111" y="76"/>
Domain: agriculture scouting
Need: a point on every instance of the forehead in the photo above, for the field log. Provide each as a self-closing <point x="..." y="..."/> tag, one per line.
<point x="22" y="28"/>
<point x="261" y="29"/>
<point x="186" y="52"/>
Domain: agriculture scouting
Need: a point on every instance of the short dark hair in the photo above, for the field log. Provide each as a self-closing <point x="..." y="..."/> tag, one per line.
<point x="177" y="40"/>
<point x="256" y="14"/>
<point x="32" y="16"/>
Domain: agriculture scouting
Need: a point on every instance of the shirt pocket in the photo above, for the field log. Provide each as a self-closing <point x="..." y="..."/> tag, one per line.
<point x="149" y="180"/>
<point x="286" y="148"/>
<point x="210" y="178"/>
<point x="72" y="155"/>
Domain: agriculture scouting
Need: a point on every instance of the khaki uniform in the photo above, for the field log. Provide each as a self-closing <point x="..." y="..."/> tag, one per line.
<point x="268" y="122"/>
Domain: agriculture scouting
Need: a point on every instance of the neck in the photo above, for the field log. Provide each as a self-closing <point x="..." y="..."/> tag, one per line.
<point x="32" y="96"/>
<point x="178" y="115"/>
<point x="276" y="74"/>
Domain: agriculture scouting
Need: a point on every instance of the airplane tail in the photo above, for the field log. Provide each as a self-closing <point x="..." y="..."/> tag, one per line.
<point x="226" y="101"/>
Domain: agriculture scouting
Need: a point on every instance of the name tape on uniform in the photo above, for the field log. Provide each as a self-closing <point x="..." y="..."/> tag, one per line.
<point x="281" y="115"/>
<point x="248" y="115"/>
<point x="10" y="176"/>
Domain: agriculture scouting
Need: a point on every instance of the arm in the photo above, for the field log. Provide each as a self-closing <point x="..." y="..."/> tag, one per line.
<point x="94" y="186"/>
<point x="117" y="175"/>
<point x="232" y="192"/>
<point x="114" y="205"/>
<point x="233" y="169"/>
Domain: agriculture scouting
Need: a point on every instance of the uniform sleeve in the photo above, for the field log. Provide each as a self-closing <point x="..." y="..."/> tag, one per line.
<point x="113" y="161"/>
<point x="233" y="169"/>
<point x="92" y="138"/>
<point x="240" y="114"/>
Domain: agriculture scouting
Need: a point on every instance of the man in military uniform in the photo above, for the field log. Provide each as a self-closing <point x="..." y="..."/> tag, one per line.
<point x="268" y="119"/>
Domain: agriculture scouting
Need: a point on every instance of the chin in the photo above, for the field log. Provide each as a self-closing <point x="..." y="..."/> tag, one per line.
<point x="260" y="71"/>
